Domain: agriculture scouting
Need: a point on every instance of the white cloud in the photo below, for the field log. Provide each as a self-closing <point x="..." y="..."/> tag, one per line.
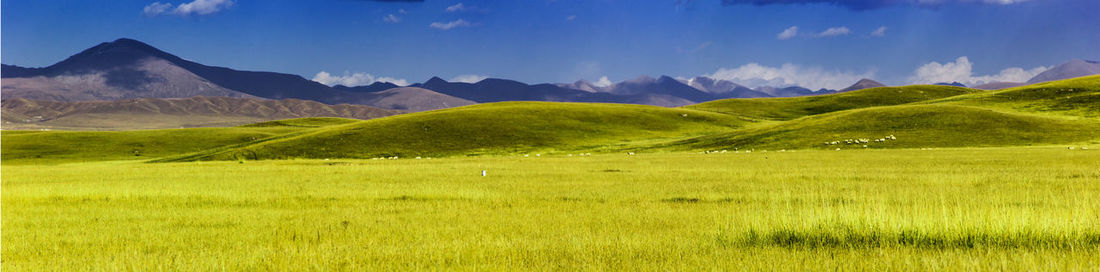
<point x="390" y="18"/>
<point x="354" y="79"/>
<point x="879" y="32"/>
<point x="202" y="7"/>
<point x="571" y="17"/>
<point x="450" y="25"/>
<point x="156" y="8"/>
<point x="462" y="8"/>
<point x="456" y="8"/>
<point x="790" y="32"/>
<point x="402" y="11"/>
<point x="468" y="78"/>
<point x="755" y="75"/>
<point x="961" y="70"/>
<point x="835" y="31"/>
<point x="603" y="82"/>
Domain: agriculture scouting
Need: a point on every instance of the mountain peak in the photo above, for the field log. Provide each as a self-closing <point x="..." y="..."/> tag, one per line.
<point x="1070" y="69"/>
<point x="117" y="53"/>
<point x="863" y="84"/>
<point x="435" y="80"/>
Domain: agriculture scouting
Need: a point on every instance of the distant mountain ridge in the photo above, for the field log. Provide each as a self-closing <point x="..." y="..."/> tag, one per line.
<point x="153" y="113"/>
<point x="863" y="84"/>
<point x="1071" y="69"/>
<point x="127" y="69"/>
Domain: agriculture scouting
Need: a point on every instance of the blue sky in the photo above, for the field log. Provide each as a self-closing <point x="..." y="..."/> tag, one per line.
<point x="813" y="43"/>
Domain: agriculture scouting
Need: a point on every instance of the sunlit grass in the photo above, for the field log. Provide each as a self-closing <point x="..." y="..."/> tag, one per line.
<point x="958" y="209"/>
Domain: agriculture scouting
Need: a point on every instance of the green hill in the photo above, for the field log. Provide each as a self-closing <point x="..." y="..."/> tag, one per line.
<point x="795" y="107"/>
<point x="77" y="146"/>
<point x="1059" y="112"/>
<point x="1074" y="97"/>
<point x="496" y="128"/>
<point x="914" y="126"/>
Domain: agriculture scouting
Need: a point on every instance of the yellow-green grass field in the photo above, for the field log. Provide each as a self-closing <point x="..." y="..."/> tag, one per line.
<point x="997" y="208"/>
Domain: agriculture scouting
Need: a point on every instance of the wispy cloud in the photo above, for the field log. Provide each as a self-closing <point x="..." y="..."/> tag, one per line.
<point x="835" y="31"/>
<point x="756" y="75"/>
<point x="468" y="78"/>
<point x="196" y="7"/>
<point x="961" y="70"/>
<point x="390" y="18"/>
<point x="456" y="8"/>
<point x="156" y="8"/>
<point x="570" y="17"/>
<point x="870" y="4"/>
<point x="451" y="24"/>
<point x="788" y="33"/>
<point x="202" y="7"/>
<point x="460" y="7"/>
<point x="879" y="32"/>
<point x="355" y="79"/>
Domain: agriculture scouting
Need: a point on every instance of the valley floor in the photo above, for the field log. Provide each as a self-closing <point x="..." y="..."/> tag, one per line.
<point x="1026" y="208"/>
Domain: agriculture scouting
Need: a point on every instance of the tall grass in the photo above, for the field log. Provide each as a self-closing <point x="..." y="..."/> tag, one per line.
<point x="955" y="209"/>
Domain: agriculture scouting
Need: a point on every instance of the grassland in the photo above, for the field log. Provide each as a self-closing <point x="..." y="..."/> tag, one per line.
<point x="976" y="180"/>
<point x="901" y="209"/>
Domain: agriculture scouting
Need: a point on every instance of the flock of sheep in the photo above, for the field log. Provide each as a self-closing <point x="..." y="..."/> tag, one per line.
<point x="862" y="141"/>
<point x="735" y="150"/>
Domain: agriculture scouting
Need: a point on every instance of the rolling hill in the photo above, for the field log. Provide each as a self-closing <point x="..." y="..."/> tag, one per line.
<point x="496" y="128"/>
<point x="80" y="146"/>
<point x="1052" y="113"/>
<point x="914" y="126"/>
<point x="1074" y="97"/>
<point x="156" y="113"/>
<point x="795" y="107"/>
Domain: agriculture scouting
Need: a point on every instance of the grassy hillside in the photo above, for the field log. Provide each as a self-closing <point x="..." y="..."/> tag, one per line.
<point x="795" y="107"/>
<point x="1060" y="112"/>
<point x="914" y="126"/>
<point x="497" y="128"/>
<point x="24" y="147"/>
<point x="77" y="146"/>
<point x="1075" y="97"/>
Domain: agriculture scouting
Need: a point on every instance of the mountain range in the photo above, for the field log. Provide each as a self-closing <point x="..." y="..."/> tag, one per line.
<point x="159" y="113"/>
<point x="130" y="69"/>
